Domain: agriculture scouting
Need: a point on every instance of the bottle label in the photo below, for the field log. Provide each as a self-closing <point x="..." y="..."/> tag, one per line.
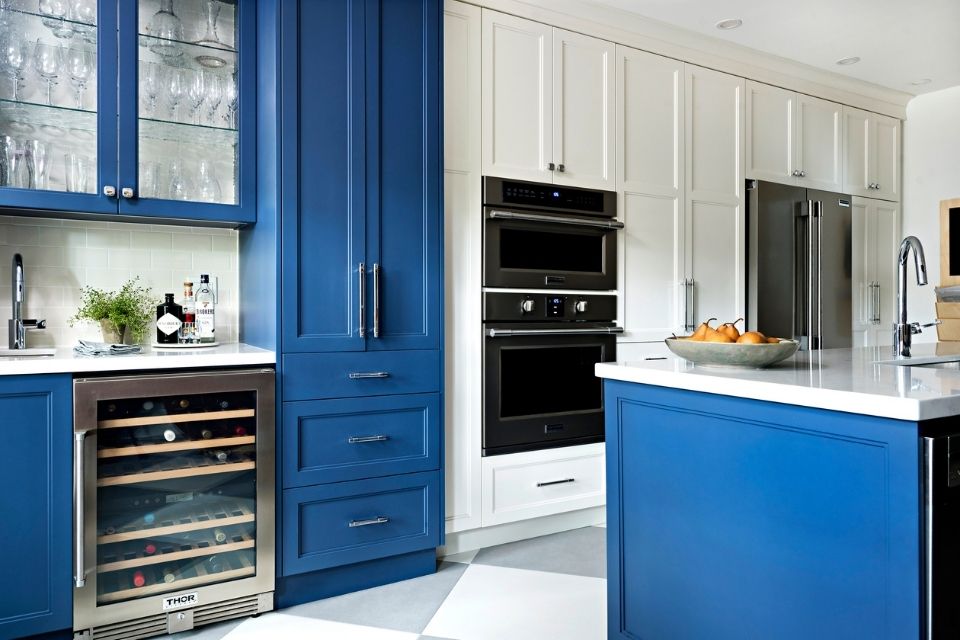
<point x="205" y="320"/>
<point x="169" y="323"/>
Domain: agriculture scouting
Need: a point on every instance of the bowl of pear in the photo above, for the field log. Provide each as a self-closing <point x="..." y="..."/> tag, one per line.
<point x="726" y="346"/>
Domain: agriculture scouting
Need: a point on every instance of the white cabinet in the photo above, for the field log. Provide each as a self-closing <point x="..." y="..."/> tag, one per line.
<point x="548" y="103"/>
<point x="714" y="220"/>
<point x="650" y="122"/>
<point x="876" y="231"/>
<point x="793" y="138"/>
<point x="463" y="222"/>
<point x="871" y="152"/>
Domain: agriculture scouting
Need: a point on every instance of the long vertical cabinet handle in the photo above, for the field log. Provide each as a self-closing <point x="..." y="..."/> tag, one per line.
<point x="691" y="301"/>
<point x="810" y="223"/>
<point x="819" y="275"/>
<point x="376" y="300"/>
<point x="876" y="304"/>
<point x="79" y="574"/>
<point x="362" y="270"/>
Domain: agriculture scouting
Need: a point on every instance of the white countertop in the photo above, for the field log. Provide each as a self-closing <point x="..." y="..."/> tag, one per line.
<point x="847" y="380"/>
<point x="66" y="361"/>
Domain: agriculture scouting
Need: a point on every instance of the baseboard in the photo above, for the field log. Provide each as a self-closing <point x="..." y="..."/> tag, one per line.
<point x="491" y="536"/>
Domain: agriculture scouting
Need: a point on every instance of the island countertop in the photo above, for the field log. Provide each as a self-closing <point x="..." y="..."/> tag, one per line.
<point x="849" y="380"/>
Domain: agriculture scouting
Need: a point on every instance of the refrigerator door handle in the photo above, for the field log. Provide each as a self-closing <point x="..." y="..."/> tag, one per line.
<point x="79" y="577"/>
<point x="810" y="229"/>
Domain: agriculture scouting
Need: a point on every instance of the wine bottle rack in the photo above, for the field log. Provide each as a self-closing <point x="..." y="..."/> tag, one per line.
<point x="169" y="447"/>
<point x="173" y="552"/>
<point x="175" y="418"/>
<point x="194" y="518"/>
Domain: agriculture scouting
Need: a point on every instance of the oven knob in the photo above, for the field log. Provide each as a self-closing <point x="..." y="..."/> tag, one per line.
<point x="581" y="306"/>
<point x="527" y="306"/>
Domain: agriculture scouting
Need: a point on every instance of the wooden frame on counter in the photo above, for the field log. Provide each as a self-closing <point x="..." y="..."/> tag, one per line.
<point x="949" y="255"/>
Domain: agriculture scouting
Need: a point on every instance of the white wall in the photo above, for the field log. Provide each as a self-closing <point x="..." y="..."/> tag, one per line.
<point x="931" y="173"/>
<point x="61" y="256"/>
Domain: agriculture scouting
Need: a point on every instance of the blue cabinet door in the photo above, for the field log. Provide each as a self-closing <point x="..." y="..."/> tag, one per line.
<point x="322" y="155"/>
<point x="404" y="186"/>
<point x="36" y="554"/>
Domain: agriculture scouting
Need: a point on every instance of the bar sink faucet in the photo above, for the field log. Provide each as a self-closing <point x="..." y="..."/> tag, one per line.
<point x="17" y="325"/>
<point x="903" y="330"/>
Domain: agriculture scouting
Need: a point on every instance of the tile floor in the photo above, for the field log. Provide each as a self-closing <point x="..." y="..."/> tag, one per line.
<point x="548" y="588"/>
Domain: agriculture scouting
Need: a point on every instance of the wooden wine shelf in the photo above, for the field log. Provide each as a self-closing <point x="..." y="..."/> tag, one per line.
<point x="167" y="447"/>
<point x="159" y="558"/>
<point x="197" y="522"/>
<point x="176" y="418"/>
<point x="176" y="585"/>
<point x="186" y="472"/>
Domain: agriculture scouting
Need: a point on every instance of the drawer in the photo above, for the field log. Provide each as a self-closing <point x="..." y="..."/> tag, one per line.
<point x="337" y="524"/>
<point x="355" y="438"/>
<point x="532" y="484"/>
<point x="317" y="376"/>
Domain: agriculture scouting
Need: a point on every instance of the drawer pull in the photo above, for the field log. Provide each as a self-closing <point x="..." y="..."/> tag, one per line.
<point x="367" y="523"/>
<point x="552" y="482"/>
<point x="362" y="439"/>
<point x="367" y="375"/>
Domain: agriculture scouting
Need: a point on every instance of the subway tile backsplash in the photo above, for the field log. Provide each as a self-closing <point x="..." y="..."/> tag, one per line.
<point x="61" y="256"/>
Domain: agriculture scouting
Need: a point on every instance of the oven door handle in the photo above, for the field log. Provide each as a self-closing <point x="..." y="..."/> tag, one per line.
<point x="507" y="333"/>
<point x="575" y="222"/>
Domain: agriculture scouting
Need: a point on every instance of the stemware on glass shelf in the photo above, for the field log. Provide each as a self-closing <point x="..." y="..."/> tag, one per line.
<point x="55" y="13"/>
<point x="213" y="87"/>
<point x="175" y="90"/>
<point x="10" y="161"/>
<point x="212" y="39"/>
<point x="80" y="66"/>
<point x="180" y="187"/>
<point x="151" y="83"/>
<point x="232" y="97"/>
<point x="48" y="61"/>
<point x="35" y="155"/>
<point x="150" y="179"/>
<point x="167" y="29"/>
<point x="195" y="93"/>
<point x="85" y="14"/>
<point x="15" y="56"/>
<point x="208" y="187"/>
<point x="76" y="168"/>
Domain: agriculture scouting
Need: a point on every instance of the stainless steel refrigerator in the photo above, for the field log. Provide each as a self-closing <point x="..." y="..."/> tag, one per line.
<point x="799" y="267"/>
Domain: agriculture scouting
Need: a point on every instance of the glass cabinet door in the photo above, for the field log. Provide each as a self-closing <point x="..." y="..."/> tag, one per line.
<point x="57" y="93"/>
<point x="188" y="144"/>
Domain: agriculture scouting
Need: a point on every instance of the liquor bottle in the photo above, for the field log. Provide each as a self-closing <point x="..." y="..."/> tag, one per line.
<point x="169" y="320"/>
<point x="138" y="579"/>
<point x="206" y="311"/>
<point x="188" y="331"/>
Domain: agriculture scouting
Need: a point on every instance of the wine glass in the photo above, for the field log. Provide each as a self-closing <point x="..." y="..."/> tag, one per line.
<point x="195" y="94"/>
<point x="167" y="29"/>
<point x="208" y="187"/>
<point x="213" y="87"/>
<point x="232" y="97"/>
<point x="85" y="11"/>
<point x="212" y="39"/>
<point x="55" y="12"/>
<point x="15" y="56"/>
<point x="48" y="61"/>
<point x="151" y="80"/>
<point x="80" y="67"/>
<point x="180" y="186"/>
<point x="175" y="89"/>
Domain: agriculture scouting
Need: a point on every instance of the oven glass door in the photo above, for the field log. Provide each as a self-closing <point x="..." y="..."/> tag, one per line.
<point x="534" y="254"/>
<point x="540" y="391"/>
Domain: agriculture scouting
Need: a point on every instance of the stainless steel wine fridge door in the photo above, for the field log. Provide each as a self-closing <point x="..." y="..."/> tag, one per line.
<point x="173" y="500"/>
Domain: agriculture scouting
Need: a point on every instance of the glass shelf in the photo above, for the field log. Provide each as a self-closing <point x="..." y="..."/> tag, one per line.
<point x="146" y="39"/>
<point x="82" y="26"/>
<point x="43" y="116"/>
<point x="191" y="55"/>
<point x="185" y="133"/>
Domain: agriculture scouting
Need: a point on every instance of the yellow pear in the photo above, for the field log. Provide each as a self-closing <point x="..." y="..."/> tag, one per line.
<point x="752" y="337"/>
<point x="701" y="333"/>
<point x="774" y="340"/>
<point x="730" y="329"/>
<point x="716" y="336"/>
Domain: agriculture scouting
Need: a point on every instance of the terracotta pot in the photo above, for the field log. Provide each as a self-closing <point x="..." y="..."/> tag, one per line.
<point x="111" y="335"/>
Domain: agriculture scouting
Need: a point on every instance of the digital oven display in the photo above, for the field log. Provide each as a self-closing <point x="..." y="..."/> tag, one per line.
<point x="555" y="305"/>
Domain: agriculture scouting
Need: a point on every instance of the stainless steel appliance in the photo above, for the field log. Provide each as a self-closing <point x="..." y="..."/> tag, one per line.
<point x="544" y="236"/>
<point x="941" y="544"/>
<point x="800" y="264"/>
<point x="173" y="501"/>
<point x="540" y="349"/>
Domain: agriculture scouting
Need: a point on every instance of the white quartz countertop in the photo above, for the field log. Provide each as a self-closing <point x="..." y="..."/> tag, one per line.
<point x="849" y="380"/>
<point x="66" y="361"/>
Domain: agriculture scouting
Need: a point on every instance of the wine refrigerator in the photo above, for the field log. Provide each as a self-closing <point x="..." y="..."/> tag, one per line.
<point x="173" y="501"/>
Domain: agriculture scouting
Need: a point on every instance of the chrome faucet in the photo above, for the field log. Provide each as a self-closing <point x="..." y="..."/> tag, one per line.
<point x="903" y="330"/>
<point x="17" y="325"/>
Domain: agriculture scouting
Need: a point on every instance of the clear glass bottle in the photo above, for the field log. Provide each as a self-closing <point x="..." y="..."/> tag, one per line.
<point x="188" y="330"/>
<point x="206" y="311"/>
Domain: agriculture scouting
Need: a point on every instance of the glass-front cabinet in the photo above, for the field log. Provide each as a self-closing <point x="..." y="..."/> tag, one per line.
<point x="157" y="120"/>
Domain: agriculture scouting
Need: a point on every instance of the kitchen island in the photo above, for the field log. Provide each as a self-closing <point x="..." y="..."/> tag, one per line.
<point x="787" y="502"/>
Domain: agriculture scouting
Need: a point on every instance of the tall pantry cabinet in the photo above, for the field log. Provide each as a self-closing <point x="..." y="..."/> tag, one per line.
<point x="359" y="236"/>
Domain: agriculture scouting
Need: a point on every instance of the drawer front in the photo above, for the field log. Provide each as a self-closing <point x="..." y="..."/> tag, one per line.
<point x="337" y="524"/>
<point x="355" y="438"/>
<point x="317" y="376"/>
<point x="539" y="483"/>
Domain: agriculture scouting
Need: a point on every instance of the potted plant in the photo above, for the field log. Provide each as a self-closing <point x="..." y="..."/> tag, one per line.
<point x="123" y="315"/>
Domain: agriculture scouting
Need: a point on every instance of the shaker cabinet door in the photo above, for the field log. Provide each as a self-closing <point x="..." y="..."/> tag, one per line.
<point x="819" y="143"/>
<point x="770" y="133"/>
<point x="887" y="158"/>
<point x="857" y="152"/>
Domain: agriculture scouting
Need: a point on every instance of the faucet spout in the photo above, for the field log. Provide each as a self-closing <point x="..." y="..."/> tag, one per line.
<point x="903" y="331"/>
<point x="17" y="325"/>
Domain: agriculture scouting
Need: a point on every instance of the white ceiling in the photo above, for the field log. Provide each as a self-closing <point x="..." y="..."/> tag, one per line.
<point x="898" y="41"/>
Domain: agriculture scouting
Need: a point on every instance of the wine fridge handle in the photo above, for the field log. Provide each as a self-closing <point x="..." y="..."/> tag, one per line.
<point x="362" y="295"/>
<point x="376" y="300"/>
<point x="79" y="577"/>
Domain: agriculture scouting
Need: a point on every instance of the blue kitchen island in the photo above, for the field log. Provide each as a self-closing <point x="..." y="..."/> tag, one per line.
<point x="781" y="503"/>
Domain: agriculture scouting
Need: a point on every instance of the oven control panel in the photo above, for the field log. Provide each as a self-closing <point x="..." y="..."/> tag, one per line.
<point x="518" y="306"/>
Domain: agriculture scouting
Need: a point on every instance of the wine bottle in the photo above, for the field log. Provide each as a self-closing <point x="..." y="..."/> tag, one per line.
<point x="149" y="548"/>
<point x="219" y="455"/>
<point x="206" y="434"/>
<point x="239" y="430"/>
<point x="169" y="575"/>
<point x="138" y="578"/>
<point x="158" y="434"/>
<point x="219" y="536"/>
<point x="169" y="320"/>
<point x="214" y="565"/>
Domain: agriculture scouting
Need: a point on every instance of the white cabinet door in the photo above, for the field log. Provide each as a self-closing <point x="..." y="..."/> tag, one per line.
<point x="464" y="236"/>
<point x="584" y="132"/>
<point x="517" y="97"/>
<point x="886" y="157"/>
<point x="770" y="131"/>
<point x="819" y="143"/>
<point x="862" y="273"/>
<point x="650" y="194"/>
<point x="714" y="199"/>
<point x="876" y="232"/>
<point x="857" y="150"/>
<point x="886" y="238"/>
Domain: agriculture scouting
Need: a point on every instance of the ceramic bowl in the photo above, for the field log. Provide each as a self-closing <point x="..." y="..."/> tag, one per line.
<point x="724" y="354"/>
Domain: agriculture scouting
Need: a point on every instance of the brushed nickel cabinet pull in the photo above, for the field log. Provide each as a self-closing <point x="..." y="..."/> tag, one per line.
<point x="366" y="523"/>
<point x="553" y="482"/>
<point x="362" y="439"/>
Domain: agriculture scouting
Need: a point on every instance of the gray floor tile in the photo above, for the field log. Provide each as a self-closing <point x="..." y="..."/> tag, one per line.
<point x="581" y="552"/>
<point x="403" y="606"/>
<point x="212" y="632"/>
<point x="432" y="638"/>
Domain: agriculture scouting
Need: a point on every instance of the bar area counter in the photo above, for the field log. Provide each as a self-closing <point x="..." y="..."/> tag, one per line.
<point x="787" y="502"/>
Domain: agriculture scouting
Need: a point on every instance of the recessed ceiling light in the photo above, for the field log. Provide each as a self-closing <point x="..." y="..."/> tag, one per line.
<point x="921" y="81"/>
<point x="843" y="62"/>
<point x="730" y="23"/>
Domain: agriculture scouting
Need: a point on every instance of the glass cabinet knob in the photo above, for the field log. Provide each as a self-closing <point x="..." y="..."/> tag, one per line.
<point x="109" y="191"/>
<point x="127" y="192"/>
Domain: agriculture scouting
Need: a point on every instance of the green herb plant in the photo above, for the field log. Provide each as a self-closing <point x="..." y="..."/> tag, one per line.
<point x="131" y="308"/>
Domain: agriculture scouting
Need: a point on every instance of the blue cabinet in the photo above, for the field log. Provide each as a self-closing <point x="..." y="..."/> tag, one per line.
<point x="36" y="502"/>
<point x="361" y="186"/>
<point x="160" y="122"/>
